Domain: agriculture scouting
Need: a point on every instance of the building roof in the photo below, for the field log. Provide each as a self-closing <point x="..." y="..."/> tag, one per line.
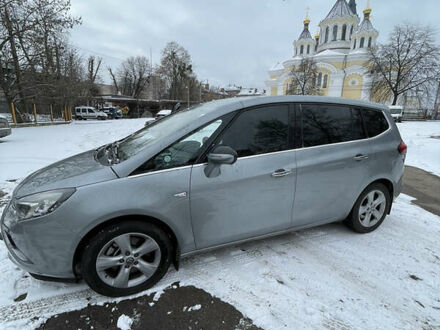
<point x="305" y="34"/>
<point x="352" y="5"/>
<point x="249" y="92"/>
<point x="340" y="9"/>
<point x="365" y="26"/>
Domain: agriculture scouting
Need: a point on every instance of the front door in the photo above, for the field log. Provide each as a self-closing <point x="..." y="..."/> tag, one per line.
<point x="253" y="196"/>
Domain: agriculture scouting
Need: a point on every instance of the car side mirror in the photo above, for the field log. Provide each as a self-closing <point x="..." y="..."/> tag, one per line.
<point x="220" y="155"/>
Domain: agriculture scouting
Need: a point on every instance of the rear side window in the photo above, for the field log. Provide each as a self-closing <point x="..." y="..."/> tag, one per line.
<point x="258" y="131"/>
<point x="375" y="122"/>
<point x="326" y="124"/>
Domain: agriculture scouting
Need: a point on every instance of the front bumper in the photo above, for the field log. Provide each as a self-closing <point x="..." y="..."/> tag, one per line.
<point x="39" y="249"/>
<point x="5" y="132"/>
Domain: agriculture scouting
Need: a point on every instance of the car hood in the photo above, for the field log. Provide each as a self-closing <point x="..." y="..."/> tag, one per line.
<point x="75" y="171"/>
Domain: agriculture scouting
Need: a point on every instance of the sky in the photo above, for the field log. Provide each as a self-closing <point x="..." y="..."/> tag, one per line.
<point x="230" y="41"/>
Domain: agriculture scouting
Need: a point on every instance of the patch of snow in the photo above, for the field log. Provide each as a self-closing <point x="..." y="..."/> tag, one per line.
<point x="124" y="322"/>
<point x="423" y="150"/>
<point x="194" y="308"/>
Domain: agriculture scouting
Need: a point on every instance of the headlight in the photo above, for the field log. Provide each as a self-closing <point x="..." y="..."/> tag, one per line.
<point x="35" y="205"/>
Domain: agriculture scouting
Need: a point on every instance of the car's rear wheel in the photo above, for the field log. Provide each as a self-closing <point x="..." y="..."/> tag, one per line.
<point x="370" y="209"/>
<point x="126" y="258"/>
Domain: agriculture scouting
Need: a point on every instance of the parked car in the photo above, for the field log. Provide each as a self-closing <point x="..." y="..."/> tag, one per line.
<point x="112" y="113"/>
<point x="84" y="113"/>
<point x="396" y="112"/>
<point x="5" y="130"/>
<point x="219" y="173"/>
<point x="162" y="113"/>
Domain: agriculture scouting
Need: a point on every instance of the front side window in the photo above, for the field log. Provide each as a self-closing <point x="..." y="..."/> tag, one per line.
<point x="375" y="122"/>
<point x="258" y="131"/>
<point x="90" y="111"/>
<point x="326" y="124"/>
<point x="181" y="153"/>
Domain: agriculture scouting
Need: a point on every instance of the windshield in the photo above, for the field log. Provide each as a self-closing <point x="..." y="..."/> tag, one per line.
<point x="136" y="142"/>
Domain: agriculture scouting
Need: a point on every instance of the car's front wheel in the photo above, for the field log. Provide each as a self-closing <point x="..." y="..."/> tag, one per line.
<point x="370" y="209"/>
<point x="126" y="258"/>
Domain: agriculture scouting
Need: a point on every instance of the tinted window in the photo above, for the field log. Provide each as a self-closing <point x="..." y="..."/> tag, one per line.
<point x="182" y="152"/>
<point x="258" y="131"/>
<point x="325" y="124"/>
<point x="375" y="122"/>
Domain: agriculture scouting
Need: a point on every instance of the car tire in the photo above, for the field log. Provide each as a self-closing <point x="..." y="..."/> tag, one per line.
<point x="102" y="248"/>
<point x="370" y="209"/>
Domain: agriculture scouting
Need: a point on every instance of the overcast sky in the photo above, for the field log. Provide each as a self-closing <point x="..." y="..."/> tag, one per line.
<point x="230" y="41"/>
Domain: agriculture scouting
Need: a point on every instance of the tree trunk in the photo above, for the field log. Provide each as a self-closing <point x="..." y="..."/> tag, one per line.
<point x="395" y="97"/>
<point x="17" y="69"/>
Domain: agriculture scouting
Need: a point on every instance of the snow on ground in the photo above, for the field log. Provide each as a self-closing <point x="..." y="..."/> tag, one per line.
<point x="423" y="150"/>
<point x="321" y="277"/>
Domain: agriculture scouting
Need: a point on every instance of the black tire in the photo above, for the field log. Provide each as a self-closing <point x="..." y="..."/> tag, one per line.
<point x="353" y="220"/>
<point x="98" y="241"/>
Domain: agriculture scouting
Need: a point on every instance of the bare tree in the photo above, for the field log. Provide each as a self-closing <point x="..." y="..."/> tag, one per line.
<point x="304" y="78"/>
<point x="176" y="70"/>
<point x="408" y="62"/>
<point x="32" y="43"/>
<point x="133" y="76"/>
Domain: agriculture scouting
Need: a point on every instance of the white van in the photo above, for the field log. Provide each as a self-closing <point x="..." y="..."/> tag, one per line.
<point x="84" y="113"/>
<point x="396" y="112"/>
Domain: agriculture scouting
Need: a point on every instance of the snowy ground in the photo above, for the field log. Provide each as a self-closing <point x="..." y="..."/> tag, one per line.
<point x="322" y="277"/>
<point x="423" y="150"/>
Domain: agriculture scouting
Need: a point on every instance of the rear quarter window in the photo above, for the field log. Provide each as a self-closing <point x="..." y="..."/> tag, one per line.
<point x="375" y="122"/>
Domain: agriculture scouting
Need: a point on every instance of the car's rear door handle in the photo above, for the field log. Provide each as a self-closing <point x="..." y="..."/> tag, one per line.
<point x="280" y="173"/>
<point x="360" y="157"/>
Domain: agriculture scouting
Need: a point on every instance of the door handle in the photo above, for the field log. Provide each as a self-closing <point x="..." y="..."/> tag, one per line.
<point x="280" y="173"/>
<point x="360" y="157"/>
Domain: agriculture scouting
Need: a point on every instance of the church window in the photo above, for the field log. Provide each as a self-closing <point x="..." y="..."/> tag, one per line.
<point x="362" y="42"/>
<point x="324" y="85"/>
<point x="344" y="31"/>
<point x="319" y="79"/>
<point x="351" y="30"/>
<point x="335" y="32"/>
<point x="308" y="49"/>
<point x="302" y="49"/>
<point x="326" y="34"/>
<point x="354" y="45"/>
<point x="369" y="42"/>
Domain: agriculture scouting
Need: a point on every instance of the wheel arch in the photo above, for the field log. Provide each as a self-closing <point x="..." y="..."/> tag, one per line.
<point x="387" y="183"/>
<point x="83" y="242"/>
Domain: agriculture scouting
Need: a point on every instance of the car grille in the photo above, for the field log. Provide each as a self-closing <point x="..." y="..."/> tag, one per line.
<point x="3" y="124"/>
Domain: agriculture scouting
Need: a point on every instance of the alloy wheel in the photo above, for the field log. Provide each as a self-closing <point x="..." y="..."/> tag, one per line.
<point x="128" y="260"/>
<point x="372" y="208"/>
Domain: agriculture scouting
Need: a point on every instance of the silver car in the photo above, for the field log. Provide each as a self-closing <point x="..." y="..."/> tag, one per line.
<point x="205" y="177"/>
<point x="5" y="130"/>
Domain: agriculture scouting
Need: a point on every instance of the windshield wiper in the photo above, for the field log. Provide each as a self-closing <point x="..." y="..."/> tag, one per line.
<point x="109" y="152"/>
<point x="113" y="153"/>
